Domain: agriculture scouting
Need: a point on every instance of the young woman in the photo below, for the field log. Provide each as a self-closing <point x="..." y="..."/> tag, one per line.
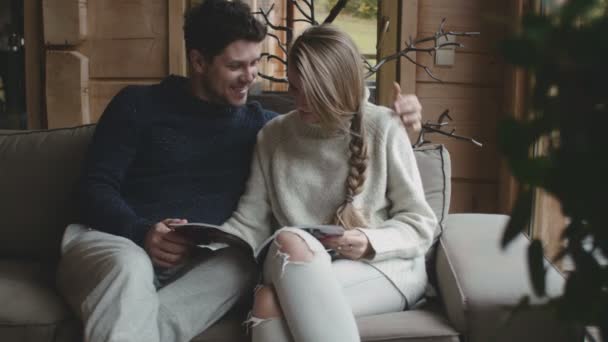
<point x="337" y="159"/>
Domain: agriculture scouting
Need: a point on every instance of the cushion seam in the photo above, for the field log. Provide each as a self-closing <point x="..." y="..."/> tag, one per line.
<point x="37" y="131"/>
<point x="443" y="190"/>
<point x="8" y="324"/>
<point x="458" y="286"/>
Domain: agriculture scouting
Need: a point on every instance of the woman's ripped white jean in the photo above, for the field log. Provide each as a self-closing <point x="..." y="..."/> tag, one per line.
<point x="319" y="298"/>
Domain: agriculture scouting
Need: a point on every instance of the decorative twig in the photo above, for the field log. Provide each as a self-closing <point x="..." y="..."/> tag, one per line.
<point x="267" y="20"/>
<point x="311" y="6"/>
<point x="411" y="45"/>
<point x="437" y="128"/>
<point x="310" y="18"/>
<point x="338" y="7"/>
<point x="302" y="21"/>
<point x="386" y="23"/>
<point x="286" y="29"/>
<point x="279" y="42"/>
<point x="273" y="79"/>
<point x="270" y="57"/>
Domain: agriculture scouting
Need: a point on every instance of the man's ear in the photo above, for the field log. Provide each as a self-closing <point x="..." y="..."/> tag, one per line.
<point x="197" y="61"/>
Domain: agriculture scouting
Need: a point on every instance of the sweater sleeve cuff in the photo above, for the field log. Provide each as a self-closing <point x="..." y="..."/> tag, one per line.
<point x="139" y="230"/>
<point x="382" y="242"/>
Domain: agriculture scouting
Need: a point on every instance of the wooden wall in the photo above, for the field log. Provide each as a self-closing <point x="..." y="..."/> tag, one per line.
<point x="95" y="48"/>
<point x="472" y="89"/>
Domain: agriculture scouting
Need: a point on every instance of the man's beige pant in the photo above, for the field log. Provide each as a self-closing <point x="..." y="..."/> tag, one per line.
<point x="109" y="282"/>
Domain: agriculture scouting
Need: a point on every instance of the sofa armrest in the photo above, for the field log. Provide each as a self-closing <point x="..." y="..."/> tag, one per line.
<point x="480" y="283"/>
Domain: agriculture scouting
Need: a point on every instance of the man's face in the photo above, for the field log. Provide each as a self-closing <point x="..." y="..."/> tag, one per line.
<point x="227" y="78"/>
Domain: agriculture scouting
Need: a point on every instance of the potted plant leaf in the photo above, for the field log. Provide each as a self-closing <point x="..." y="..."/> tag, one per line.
<point x="565" y="54"/>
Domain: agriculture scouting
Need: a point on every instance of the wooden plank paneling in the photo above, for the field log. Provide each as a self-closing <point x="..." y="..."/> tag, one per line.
<point x="461" y="15"/>
<point x="127" y="58"/>
<point x="470" y="161"/>
<point x="473" y="197"/>
<point x="119" y="19"/>
<point x="67" y="98"/>
<point x="483" y="43"/>
<point x="34" y="66"/>
<point x="464" y="15"/>
<point x="409" y="28"/>
<point x="464" y="5"/>
<point x="177" y="46"/>
<point x="388" y="73"/>
<point x="128" y="39"/>
<point x="475" y="69"/>
<point x="64" y="21"/>
<point x="548" y="223"/>
<point x="472" y="90"/>
<point x="127" y="42"/>
<point x="474" y="113"/>
<point x="467" y="104"/>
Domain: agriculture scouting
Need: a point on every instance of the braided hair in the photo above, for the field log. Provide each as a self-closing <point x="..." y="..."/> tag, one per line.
<point x="331" y="69"/>
<point x="347" y="215"/>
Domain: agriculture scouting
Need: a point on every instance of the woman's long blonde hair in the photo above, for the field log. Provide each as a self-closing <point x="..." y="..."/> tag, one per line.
<point x="330" y="67"/>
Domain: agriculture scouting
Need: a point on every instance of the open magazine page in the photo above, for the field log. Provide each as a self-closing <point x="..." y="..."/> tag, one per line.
<point x="318" y="231"/>
<point x="323" y="231"/>
<point x="214" y="237"/>
<point x="207" y="235"/>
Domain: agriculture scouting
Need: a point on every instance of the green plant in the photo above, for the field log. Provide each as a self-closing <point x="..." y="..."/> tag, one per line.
<point x="566" y="54"/>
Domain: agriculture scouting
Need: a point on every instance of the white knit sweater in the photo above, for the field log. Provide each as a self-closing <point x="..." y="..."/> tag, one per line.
<point x="298" y="177"/>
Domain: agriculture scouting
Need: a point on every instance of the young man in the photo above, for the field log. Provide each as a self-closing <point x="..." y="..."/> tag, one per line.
<point x="163" y="154"/>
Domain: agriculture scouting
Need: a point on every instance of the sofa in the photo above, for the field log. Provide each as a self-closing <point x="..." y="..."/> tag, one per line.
<point x="477" y="283"/>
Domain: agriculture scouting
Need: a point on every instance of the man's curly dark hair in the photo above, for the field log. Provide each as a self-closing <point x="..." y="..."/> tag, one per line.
<point x="215" y="24"/>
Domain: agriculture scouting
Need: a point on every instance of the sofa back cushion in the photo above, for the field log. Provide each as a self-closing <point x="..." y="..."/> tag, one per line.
<point x="435" y="172"/>
<point x="39" y="172"/>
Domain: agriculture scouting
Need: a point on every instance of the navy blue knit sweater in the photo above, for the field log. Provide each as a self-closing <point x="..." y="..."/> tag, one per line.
<point x="158" y="152"/>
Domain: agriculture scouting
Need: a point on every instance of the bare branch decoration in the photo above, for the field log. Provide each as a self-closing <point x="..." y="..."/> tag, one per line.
<point x="271" y="57"/>
<point x="279" y="42"/>
<point x="442" y="121"/>
<point x="310" y="18"/>
<point x="281" y="45"/>
<point x="267" y="20"/>
<point x="412" y="46"/>
<point x="273" y="79"/>
<point x="386" y="23"/>
<point x="333" y="13"/>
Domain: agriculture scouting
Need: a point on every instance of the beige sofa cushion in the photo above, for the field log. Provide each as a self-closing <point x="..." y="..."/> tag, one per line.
<point x="426" y="324"/>
<point x="435" y="172"/>
<point x="481" y="283"/>
<point x="38" y="177"/>
<point x="31" y="310"/>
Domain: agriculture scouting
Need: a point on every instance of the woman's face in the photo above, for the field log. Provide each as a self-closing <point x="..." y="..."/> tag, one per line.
<point x="295" y="89"/>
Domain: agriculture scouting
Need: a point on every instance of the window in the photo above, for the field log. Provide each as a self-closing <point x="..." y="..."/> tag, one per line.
<point x="358" y="18"/>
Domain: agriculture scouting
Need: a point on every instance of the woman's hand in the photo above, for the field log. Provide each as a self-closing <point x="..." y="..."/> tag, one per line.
<point x="408" y="108"/>
<point x="352" y="245"/>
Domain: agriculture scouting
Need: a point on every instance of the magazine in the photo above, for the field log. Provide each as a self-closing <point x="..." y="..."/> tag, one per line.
<point x="214" y="237"/>
<point x="206" y="235"/>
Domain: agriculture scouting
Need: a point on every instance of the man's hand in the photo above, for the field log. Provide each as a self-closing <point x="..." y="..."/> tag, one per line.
<point x="408" y="108"/>
<point x="165" y="247"/>
<point x="352" y="245"/>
